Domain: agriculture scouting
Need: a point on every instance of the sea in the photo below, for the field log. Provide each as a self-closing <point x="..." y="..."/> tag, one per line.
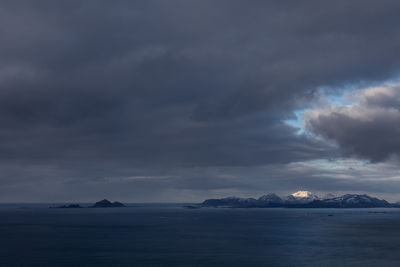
<point x="172" y="235"/>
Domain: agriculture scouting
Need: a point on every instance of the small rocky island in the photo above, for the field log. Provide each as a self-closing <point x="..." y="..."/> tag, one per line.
<point x="107" y="204"/>
<point x="100" y="204"/>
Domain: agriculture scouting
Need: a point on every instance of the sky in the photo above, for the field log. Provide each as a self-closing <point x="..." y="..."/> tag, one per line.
<point x="178" y="101"/>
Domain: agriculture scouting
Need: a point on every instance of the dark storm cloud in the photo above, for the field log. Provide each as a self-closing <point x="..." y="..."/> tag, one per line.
<point x="116" y="86"/>
<point x="369" y="128"/>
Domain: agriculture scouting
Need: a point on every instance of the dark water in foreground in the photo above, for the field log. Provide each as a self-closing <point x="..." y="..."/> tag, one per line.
<point x="168" y="235"/>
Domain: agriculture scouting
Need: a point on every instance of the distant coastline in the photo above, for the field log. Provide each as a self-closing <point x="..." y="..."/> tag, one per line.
<point x="301" y="199"/>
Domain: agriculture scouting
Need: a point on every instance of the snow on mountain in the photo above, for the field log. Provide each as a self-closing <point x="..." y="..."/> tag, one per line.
<point x="301" y="197"/>
<point x="304" y="194"/>
<point x="329" y="196"/>
<point x="350" y="201"/>
<point x="270" y="198"/>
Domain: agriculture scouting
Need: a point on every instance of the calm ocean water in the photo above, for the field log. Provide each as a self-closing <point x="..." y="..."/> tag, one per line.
<point x="169" y="235"/>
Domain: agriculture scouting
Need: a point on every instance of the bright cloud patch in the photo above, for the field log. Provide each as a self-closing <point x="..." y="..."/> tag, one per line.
<point x="369" y="128"/>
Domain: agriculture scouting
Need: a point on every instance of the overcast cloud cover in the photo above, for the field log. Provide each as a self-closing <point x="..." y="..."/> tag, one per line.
<point x="369" y="128"/>
<point x="183" y="100"/>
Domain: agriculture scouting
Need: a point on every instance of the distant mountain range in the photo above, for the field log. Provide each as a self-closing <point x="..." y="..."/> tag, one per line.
<point x="301" y="199"/>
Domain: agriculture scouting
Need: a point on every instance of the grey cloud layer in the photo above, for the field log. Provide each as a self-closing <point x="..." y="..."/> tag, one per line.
<point x="115" y="86"/>
<point x="370" y="128"/>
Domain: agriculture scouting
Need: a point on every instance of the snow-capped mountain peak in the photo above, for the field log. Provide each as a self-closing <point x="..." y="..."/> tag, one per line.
<point x="329" y="196"/>
<point x="270" y="198"/>
<point x="304" y="194"/>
